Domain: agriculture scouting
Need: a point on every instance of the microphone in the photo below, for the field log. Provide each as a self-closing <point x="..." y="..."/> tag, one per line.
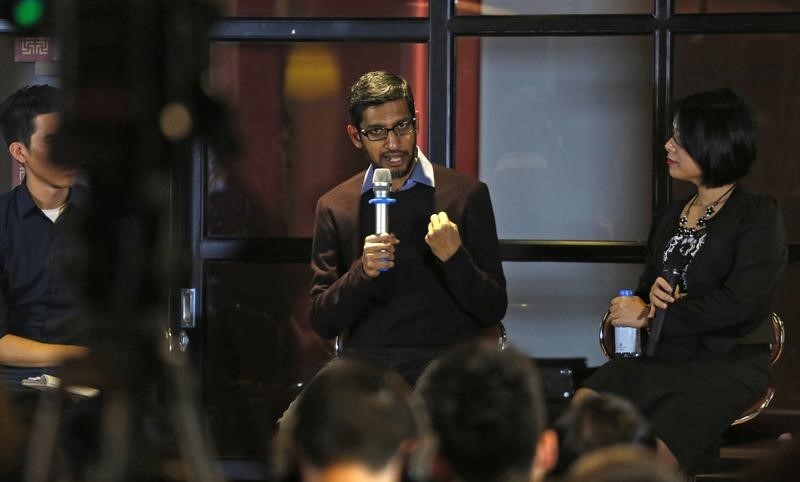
<point x="657" y="324"/>
<point x="382" y="186"/>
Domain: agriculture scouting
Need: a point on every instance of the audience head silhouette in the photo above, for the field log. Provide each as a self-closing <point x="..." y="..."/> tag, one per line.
<point x="353" y="422"/>
<point x="620" y="463"/>
<point x="487" y="410"/>
<point x="597" y="422"/>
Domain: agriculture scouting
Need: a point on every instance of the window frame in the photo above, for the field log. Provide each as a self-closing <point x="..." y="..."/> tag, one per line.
<point x="440" y="31"/>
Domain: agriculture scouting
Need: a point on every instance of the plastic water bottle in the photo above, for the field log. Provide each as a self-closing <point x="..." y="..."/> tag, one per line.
<point x="627" y="340"/>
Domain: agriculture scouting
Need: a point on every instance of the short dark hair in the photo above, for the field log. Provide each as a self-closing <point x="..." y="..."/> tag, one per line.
<point x="599" y="421"/>
<point x="719" y="130"/>
<point x="376" y="88"/>
<point x="353" y="411"/>
<point x="18" y="111"/>
<point x="486" y="407"/>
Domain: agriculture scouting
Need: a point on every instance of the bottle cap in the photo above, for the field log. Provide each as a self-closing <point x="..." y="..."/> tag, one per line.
<point x="626" y="292"/>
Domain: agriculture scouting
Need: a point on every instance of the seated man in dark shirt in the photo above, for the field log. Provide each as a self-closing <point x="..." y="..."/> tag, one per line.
<point x="436" y="278"/>
<point x="38" y="302"/>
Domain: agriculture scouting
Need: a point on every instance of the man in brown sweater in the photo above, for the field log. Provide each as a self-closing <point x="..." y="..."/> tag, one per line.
<point x="401" y="298"/>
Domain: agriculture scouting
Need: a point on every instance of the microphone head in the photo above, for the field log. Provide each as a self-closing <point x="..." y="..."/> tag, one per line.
<point x="382" y="180"/>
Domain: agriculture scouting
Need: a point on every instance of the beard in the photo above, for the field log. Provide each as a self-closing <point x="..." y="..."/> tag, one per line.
<point x="401" y="171"/>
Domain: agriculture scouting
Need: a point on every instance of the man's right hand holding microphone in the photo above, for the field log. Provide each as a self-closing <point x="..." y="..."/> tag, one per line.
<point x="378" y="253"/>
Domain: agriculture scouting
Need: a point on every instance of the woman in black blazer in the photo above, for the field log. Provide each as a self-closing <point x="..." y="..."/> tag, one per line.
<point x="728" y="247"/>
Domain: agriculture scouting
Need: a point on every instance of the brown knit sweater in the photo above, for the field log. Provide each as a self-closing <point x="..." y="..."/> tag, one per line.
<point x="420" y="302"/>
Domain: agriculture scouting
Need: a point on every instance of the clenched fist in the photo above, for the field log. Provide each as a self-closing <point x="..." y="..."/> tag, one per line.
<point x="443" y="237"/>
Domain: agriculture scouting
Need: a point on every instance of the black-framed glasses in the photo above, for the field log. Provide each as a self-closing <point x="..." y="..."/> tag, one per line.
<point x="402" y="128"/>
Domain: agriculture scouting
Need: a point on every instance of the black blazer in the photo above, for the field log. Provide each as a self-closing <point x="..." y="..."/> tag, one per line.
<point x="732" y="279"/>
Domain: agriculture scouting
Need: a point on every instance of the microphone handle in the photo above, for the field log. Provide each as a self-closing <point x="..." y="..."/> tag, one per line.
<point x="382" y="214"/>
<point x="381" y="218"/>
<point x="657" y="325"/>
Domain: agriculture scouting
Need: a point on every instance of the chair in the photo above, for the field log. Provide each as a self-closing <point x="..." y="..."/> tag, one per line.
<point x="497" y="332"/>
<point x="606" y="338"/>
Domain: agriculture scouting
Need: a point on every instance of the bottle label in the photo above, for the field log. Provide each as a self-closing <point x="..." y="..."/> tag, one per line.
<point x="627" y="341"/>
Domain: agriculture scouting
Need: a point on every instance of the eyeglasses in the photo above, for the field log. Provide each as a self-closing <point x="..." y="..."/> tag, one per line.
<point x="404" y="127"/>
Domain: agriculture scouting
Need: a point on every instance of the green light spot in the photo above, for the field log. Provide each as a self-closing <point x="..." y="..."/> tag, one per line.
<point x="28" y="13"/>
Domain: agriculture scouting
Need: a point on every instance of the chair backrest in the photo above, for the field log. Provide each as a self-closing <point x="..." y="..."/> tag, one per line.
<point x="495" y="333"/>
<point x="775" y="351"/>
<point x="338" y="345"/>
<point x="778" y="338"/>
<point x="606" y="337"/>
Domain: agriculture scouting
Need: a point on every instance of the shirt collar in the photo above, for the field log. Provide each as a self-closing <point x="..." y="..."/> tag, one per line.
<point x="421" y="173"/>
<point x="25" y="203"/>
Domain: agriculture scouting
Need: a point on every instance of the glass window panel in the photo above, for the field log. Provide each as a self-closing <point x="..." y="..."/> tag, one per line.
<point x="736" y="6"/>
<point x="554" y="309"/>
<point x="763" y="67"/>
<point x="550" y="7"/>
<point x="290" y="108"/>
<point x="325" y="8"/>
<point x="561" y="130"/>
<point x="258" y="346"/>
<point x="37" y="66"/>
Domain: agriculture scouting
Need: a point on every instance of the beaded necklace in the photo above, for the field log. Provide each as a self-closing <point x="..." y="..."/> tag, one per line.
<point x="701" y="223"/>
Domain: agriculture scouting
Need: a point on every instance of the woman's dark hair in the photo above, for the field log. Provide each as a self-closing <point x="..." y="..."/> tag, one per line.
<point x="718" y="129"/>
<point x="376" y="88"/>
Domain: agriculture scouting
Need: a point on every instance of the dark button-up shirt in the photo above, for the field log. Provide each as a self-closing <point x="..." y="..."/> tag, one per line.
<point x="38" y="300"/>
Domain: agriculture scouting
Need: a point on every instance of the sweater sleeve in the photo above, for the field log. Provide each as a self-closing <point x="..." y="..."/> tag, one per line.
<point x="760" y="255"/>
<point x="474" y="273"/>
<point x="337" y="297"/>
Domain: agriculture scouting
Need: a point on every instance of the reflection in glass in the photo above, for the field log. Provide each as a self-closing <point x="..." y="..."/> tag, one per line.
<point x="763" y="67"/>
<point x="15" y="74"/>
<point x="289" y="106"/>
<point x="258" y="347"/>
<point x="554" y="309"/>
<point x="564" y="129"/>
<point x="736" y="6"/>
<point x="325" y="8"/>
<point x="551" y="7"/>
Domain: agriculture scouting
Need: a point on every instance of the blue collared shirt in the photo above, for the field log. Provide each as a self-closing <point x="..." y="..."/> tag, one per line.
<point x="421" y="173"/>
<point x="38" y="300"/>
